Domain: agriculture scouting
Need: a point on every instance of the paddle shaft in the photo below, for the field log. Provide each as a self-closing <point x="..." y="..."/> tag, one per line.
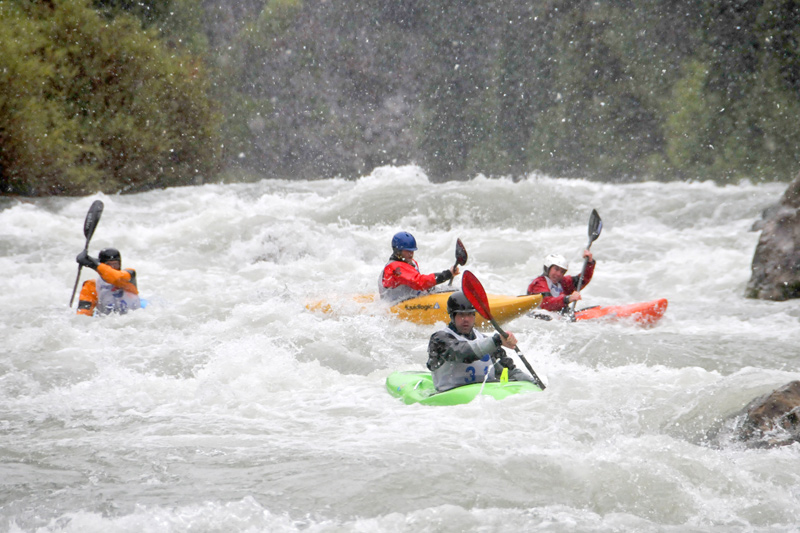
<point x="580" y="281"/>
<point x="536" y="379"/>
<point x="450" y="283"/>
<point x="595" y="227"/>
<point x="89" y="225"/>
<point x="474" y="292"/>
<point x="78" y="277"/>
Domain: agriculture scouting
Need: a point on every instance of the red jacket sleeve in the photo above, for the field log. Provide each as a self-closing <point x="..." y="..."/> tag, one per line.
<point x="399" y="273"/>
<point x="572" y="281"/>
<point x="587" y="277"/>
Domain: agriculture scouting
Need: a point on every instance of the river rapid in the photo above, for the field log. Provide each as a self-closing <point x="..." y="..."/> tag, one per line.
<point x="226" y="405"/>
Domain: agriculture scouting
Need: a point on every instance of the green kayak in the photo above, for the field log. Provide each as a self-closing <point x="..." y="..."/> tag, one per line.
<point x="417" y="387"/>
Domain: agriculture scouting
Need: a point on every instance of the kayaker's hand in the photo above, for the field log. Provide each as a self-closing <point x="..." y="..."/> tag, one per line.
<point x="587" y="254"/>
<point x="444" y="275"/>
<point x="84" y="259"/>
<point x="510" y="341"/>
<point x="455" y="271"/>
<point x="574" y="297"/>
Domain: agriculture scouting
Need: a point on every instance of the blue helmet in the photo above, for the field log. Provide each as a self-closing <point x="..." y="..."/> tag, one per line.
<point x="404" y="241"/>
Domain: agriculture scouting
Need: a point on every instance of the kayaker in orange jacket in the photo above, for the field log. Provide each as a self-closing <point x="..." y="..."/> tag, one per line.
<point x="401" y="278"/>
<point x="557" y="289"/>
<point x="114" y="291"/>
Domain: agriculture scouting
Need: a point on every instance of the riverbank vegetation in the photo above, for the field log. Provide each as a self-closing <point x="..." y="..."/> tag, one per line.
<point x="125" y="95"/>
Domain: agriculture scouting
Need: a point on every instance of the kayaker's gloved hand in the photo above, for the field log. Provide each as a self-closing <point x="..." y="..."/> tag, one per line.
<point x="509" y="341"/>
<point x="508" y="363"/>
<point x="574" y="297"/>
<point x="445" y="275"/>
<point x="84" y="259"/>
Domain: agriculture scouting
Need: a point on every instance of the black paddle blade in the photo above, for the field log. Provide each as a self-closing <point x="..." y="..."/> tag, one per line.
<point x="595" y="226"/>
<point x="461" y="256"/>
<point x="474" y="292"/>
<point x="92" y="218"/>
<point x="461" y="253"/>
<point x="89" y="225"/>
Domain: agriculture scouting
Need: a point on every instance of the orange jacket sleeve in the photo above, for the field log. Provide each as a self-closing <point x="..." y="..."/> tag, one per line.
<point x="88" y="298"/>
<point x="123" y="279"/>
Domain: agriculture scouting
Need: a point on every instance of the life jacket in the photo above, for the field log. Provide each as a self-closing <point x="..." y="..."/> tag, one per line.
<point x="556" y="289"/>
<point x="454" y="373"/>
<point x="111" y="298"/>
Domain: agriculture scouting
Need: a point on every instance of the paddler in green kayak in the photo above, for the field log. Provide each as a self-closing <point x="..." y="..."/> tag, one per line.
<point x="459" y="354"/>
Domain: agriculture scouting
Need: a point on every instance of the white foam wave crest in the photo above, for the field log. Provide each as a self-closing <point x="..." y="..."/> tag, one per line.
<point x="228" y="405"/>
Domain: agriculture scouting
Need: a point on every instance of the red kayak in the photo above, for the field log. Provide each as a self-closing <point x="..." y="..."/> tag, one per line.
<point x="643" y="313"/>
<point x="646" y="313"/>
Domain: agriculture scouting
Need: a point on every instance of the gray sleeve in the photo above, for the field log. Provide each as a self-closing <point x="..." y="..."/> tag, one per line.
<point x="448" y="348"/>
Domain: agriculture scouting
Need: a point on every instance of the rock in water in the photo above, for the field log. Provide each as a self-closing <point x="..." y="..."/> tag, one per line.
<point x="776" y="262"/>
<point x="773" y="419"/>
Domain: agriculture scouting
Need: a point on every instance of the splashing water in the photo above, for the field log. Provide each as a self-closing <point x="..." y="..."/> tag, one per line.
<point x="226" y="405"/>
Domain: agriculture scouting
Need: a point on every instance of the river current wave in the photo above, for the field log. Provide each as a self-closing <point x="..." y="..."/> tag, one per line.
<point x="227" y="405"/>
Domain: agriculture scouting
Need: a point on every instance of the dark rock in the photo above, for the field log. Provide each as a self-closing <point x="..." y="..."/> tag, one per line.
<point x="776" y="262"/>
<point x="771" y="420"/>
<point x="766" y="214"/>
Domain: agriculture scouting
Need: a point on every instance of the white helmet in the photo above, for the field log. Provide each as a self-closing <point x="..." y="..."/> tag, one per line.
<point x="557" y="260"/>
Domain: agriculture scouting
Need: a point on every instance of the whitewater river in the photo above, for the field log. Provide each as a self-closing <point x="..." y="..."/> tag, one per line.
<point x="227" y="406"/>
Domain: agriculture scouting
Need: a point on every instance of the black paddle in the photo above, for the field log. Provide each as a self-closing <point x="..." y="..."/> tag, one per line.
<point x="92" y="218"/>
<point x="474" y="292"/>
<point x="461" y="257"/>
<point x="595" y="227"/>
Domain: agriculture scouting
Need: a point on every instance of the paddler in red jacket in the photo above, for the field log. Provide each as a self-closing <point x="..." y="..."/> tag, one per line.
<point x="557" y="289"/>
<point x="401" y="278"/>
<point x="114" y="291"/>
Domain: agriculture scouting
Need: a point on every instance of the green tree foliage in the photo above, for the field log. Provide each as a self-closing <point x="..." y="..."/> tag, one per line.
<point x="320" y="88"/>
<point x="181" y="23"/>
<point x="613" y="64"/>
<point x="33" y="131"/>
<point x="114" y="95"/>
<point x="458" y="105"/>
<point x="753" y="77"/>
<point x="251" y="137"/>
<point x="691" y="117"/>
<point x="614" y="90"/>
<point x="92" y="104"/>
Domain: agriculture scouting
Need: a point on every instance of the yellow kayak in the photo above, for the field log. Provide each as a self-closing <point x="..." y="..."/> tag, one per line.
<point x="432" y="308"/>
